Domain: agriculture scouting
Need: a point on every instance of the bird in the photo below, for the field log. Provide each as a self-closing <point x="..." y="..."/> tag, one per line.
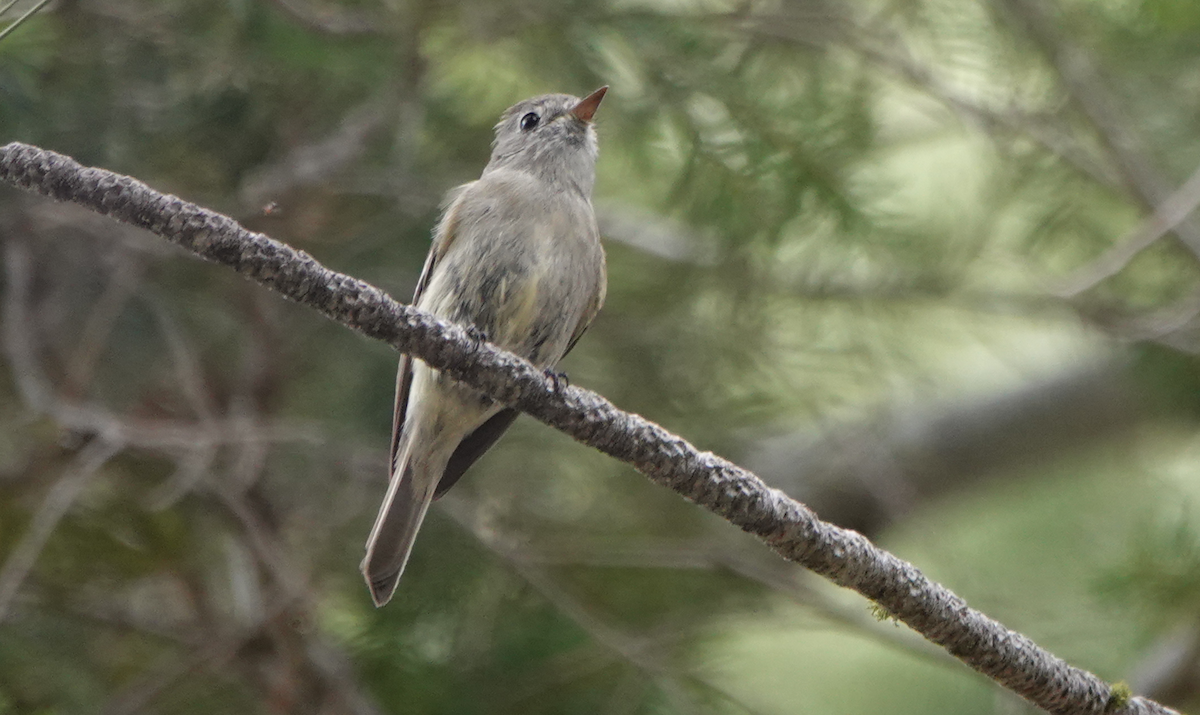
<point x="517" y="260"/>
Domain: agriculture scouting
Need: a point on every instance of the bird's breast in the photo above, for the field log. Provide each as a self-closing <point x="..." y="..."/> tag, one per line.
<point x="523" y="275"/>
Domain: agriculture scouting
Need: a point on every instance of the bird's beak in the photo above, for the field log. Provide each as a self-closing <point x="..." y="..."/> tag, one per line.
<point x="587" y="106"/>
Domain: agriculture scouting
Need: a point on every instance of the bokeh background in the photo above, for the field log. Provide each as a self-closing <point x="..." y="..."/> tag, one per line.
<point x="924" y="264"/>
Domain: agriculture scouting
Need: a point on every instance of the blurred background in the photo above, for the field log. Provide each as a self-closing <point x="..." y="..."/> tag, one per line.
<point x="926" y="265"/>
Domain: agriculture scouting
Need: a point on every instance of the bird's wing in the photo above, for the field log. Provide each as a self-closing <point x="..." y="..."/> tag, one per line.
<point x="593" y="309"/>
<point x="443" y="237"/>
<point x="475" y="444"/>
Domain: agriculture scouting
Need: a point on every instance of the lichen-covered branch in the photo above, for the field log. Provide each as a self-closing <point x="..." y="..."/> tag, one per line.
<point x="845" y="557"/>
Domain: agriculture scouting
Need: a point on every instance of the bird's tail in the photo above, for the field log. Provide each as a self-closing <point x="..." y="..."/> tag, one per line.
<point x="400" y="516"/>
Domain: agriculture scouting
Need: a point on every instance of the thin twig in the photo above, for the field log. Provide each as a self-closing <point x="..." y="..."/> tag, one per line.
<point x="332" y="19"/>
<point x="17" y="23"/>
<point x="312" y="163"/>
<point x="135" y="697"/>
<point x="36" y="391"/>
<point x="741" y="498"/>
<point x="1166" y="217"/>
<point x="642" y="650"/>
<point x="60" y="498"/>
<point x="888" y="54"/>
<point x="98" y="327"/>
<point x="8" y="6"/>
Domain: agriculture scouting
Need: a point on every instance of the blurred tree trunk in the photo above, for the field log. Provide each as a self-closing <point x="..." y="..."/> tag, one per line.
<point x="866" y="476"/>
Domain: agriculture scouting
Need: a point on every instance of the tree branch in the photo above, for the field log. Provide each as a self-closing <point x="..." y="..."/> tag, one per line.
<point x="790" y="528"/>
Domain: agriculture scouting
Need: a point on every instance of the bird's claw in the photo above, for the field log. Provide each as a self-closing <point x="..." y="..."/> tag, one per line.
<point x="477" y="334"/>
<point x="559" y="380"/>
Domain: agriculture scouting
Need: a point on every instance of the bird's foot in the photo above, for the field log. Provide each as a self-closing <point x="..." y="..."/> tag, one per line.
<point x="557" y="378"/>
<point x="477" y="334"/>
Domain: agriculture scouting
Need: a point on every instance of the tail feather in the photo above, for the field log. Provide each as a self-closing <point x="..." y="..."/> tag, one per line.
<point x="391" y="541"/>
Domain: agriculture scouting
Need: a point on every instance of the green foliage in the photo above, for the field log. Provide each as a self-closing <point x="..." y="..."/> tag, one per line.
<point x="1161" y="571"/>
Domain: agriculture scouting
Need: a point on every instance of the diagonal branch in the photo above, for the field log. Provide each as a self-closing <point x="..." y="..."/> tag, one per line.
<point x="738" y="496"/>
<point x="21" y="20"/>
<point x="1167" y="216"/>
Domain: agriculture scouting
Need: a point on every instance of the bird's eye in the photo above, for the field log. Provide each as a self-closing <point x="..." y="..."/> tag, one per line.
<point x="529" y="121"/>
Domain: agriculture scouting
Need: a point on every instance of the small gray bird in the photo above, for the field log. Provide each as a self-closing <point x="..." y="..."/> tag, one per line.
<point x="517" y="257"/>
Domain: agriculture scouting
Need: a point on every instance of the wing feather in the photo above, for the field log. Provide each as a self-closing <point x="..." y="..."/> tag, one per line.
<point x="443" y="237"/>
